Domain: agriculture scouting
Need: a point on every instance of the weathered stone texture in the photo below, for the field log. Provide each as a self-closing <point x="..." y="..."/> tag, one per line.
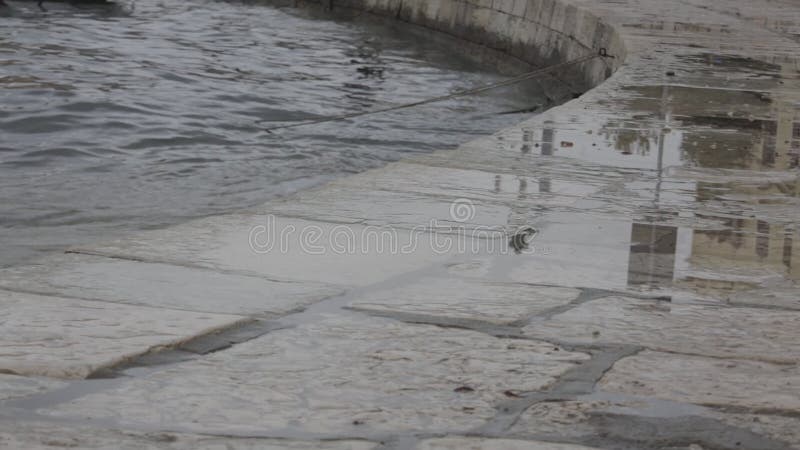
<point x="335" y="376"/>
<point x="70" y="338"/>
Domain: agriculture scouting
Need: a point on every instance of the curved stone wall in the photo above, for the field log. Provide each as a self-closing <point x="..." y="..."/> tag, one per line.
<point x="539" y="32"/>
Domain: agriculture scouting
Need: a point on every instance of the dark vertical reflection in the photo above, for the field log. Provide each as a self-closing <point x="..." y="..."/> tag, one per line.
<point x="548" y="136"/>
<point x="652" y="254"/>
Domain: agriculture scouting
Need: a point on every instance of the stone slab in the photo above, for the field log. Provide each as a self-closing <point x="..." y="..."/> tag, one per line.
<point x="478" y="185"/>
<point x="284" y="249"/>
<point x="49" y="436"/>
<point x="14" y="386"/>
<point x="336" y="202"/>
<point x="67" y="338"/>
<point x="460" y="299"/>
<point x="475" y="443"/>
<point x="642" y="419"/>
<point x="784" y="296"/>
<point x="725" y="332"/>
<point x="706" y="381"/>
<point x="571" y="249"/>
<point x="338" y="375"/>
<point x="162" y="285"/>
<point x="566" y="419"/>
<point x="781" y="428"/>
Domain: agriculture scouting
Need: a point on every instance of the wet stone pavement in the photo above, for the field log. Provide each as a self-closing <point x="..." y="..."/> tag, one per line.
<point x="619" y="272"/>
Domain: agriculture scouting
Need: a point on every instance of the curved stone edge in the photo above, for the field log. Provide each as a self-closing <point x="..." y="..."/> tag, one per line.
<point x="538" y="32"/>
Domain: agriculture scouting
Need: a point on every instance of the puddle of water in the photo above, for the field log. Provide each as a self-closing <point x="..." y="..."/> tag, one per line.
<point x="697" y="192"/>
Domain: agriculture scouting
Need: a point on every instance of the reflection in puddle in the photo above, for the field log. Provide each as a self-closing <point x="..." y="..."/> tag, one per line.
<point x="704" y="196"/>
<point x="736" y="63"/>
<point x="620" y="254"/>
<point x="705" y="127"/>
<point x="714" y="259"/>
<point x="652" y="256"/>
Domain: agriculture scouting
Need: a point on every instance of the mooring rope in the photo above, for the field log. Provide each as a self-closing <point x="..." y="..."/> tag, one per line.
<point x="476" y="90"/>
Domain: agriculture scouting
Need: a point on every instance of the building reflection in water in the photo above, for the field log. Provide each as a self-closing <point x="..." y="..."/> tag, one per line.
<point x="744" y="130"/>
<point x="548" y="137"/>
<point x="748" y="244"/>
<point x="656" y="256"/>
<point x="652" y="256"/>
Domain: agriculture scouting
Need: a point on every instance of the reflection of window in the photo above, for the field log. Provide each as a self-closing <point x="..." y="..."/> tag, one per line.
<point x="796" y="130"/>
<point x="548" y="136"/>
<point x="762" y="240"/>
<point x="527" y="138"/>
<point x="632" y="141"/>
<point x="652" y="254"/>
<point x="768" y="151"/>
<point x="545" y="185"/>
<point x="787" y="250"/>
<point x="731" y="234"/>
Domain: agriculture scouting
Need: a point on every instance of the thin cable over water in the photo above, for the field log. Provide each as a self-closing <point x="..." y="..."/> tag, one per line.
<point x="463" y="93"/>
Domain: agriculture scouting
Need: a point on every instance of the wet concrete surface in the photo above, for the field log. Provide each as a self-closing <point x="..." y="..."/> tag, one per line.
<point x="619" y="272"/>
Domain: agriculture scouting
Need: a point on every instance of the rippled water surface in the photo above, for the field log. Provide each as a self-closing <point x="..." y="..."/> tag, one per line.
<point x="124" y="116"/>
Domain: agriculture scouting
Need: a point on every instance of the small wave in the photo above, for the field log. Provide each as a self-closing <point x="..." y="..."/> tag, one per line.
<point x="31" y="82"/>
<point x="193" y="161"/>
<point x="84" y="106"/>
<point x="40" y="123"/>
<point x="64" y="152"/>
<point x="177" y="141"/>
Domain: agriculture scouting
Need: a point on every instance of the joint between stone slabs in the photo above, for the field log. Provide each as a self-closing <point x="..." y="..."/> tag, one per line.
<point x="776" y="362"/>
<point x="659" y="432"/>
<point x="497" y="331"/>
<point x="622" y="431"/>
<point x="577" y="381"/>
<point x="591" y="371"/>
<point x="586" y="295"/>
<point x="476" y="325"/>
<point x="58" y="295"/>
<point x="759" y="306"/>
<point x="194" y="347"/>
<point x="166" y="433"/>
<point x="731" y="409"/>
<point x="177" y="263"/>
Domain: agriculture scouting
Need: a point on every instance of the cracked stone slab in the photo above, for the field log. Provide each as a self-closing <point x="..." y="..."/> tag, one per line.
<point x="47" y="436"/>
<point x="706" y="381"/>
<point x="339" y="375"/>
<point x="641" y="420"/>
<point x="752" y="333"/>
<point x="476" y="443"/>
<point x="162" y="285"/>
<point x="67" y="338"/>
<point x="284" y="248"/>
<point x="471" y="300"/>
<point x="15" y="386"/>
